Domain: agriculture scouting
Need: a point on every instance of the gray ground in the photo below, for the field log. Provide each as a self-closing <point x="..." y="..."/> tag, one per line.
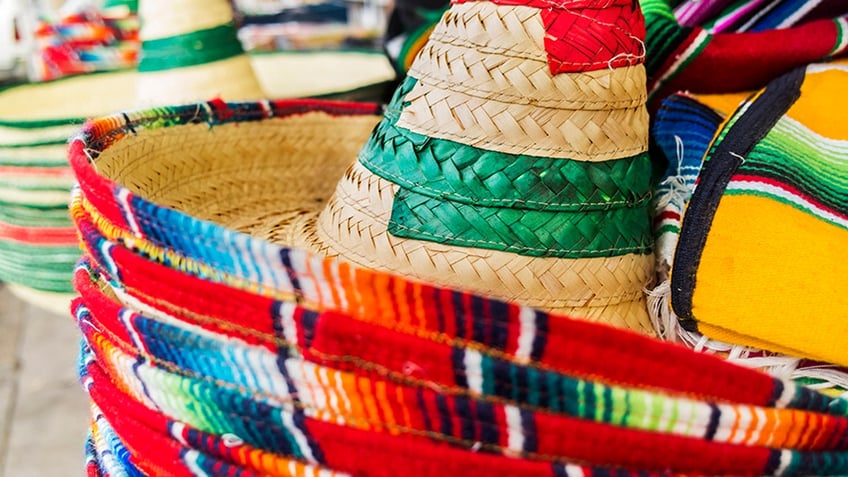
<point x="43" y="410"/>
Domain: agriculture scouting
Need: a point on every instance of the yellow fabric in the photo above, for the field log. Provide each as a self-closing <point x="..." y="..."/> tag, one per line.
<point x="823" y="107"/>
<point x="764" y="265"/>
<point x="724" y="104"/>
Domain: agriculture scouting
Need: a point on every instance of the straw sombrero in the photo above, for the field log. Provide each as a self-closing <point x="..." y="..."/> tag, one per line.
<point x="523" y="176"/>
<point x="511" y="161"/>
<point x="185" y="55"/>
<point x="208" y="347"/>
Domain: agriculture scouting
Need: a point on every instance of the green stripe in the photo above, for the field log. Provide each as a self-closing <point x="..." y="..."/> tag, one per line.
<point x="456" y="194"/>
<point x="668" y="229"/>
<point x="195" y="48"/>
<point x="441" y="168"/>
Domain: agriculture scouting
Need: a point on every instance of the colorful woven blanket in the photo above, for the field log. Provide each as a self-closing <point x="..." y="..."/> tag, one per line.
<point x="756" y="260"/>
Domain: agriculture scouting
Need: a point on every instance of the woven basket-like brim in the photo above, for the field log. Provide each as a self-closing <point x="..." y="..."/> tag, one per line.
<point x="253" y="177"/>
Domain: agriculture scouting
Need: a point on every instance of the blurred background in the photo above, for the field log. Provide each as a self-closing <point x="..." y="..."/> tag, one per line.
<point x="43" y="410"/>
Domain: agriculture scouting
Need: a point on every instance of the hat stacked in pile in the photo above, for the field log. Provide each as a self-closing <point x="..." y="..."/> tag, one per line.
<point x="758" y="285"/>
<point x="189" y="51"/>
<point x="212" y="347"/>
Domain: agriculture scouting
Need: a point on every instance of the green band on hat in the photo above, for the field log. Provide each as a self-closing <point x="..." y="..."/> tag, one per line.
<point x="535" y="233"/>
<point x="457" y="194"/>
<point x="192" y="49"/>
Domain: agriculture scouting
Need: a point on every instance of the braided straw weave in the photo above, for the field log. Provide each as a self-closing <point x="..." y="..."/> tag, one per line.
<point x="511" y="162"/>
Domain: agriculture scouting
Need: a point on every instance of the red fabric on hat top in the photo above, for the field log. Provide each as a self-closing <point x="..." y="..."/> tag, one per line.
<point x="586" y="35"/>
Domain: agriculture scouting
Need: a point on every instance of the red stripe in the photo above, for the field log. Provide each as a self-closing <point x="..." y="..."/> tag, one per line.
<point x="747" y="61"/>
<point x="585" y="35"/>
<point x="64" y="172"/>
<point x="58" y="236"/>
<point x="791" y="190"/>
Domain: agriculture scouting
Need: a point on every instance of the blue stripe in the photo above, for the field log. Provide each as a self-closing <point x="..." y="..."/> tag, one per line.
<point x="541" y="337"/>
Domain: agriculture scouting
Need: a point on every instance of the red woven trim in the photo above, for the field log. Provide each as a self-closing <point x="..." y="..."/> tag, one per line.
<point x="584" y="441"/>
<point x="95" y="188"/>
<point x="138" y="428"/>
<point x="585" y="35"/>
<point x="574" y="347"/>
<point x="58" y="236"/>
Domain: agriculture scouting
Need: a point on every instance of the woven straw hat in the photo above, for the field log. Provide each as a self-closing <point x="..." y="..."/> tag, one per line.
<point x="37" y="119"/>
<point x="512" y="162"/>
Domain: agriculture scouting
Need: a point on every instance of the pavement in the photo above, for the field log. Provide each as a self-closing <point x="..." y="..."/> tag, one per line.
<point x="43" y="409"/>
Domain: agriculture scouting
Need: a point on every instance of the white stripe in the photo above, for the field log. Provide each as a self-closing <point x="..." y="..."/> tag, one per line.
<point x="726" y="418"/>
<point x="176" y="430"/>
<point x="807" y="7"/>
<point x="285" y="311"/>
<point x="824" y="67"/>
<point x="126" y="316"/>
<point x="665" y="423"/>
<point x="526" y="334"/>
<point x="473" y="362"/>
<point x="514" y="429"/>
<point x="785" y="460"/>
<point x="319" y="396"/>
<point x="698" y="41"/>
<point x="842" y="24"/>
<point x="307" y="283"/>
<point x="317" y="267"/>
<point x="247" y="261"/>
<point x="340" y="391"/>
<point x="123" y="200"/>
<point x="773" y="190"/>
<point x="337" y="280"/>
<point x="761" y="423"/>
<point x="743" y="424"/>
<point x="683" y="423"/>
<point x="302" y="442"/>
<point x="572" y="470"/>
<point x="190" y="459"/>
<point x="332" y="397"/>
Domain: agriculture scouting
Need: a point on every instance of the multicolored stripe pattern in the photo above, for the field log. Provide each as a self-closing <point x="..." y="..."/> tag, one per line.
<point x="694" y="59"/>
<point x="271" y="361"/>
<point x="775" y="169"/>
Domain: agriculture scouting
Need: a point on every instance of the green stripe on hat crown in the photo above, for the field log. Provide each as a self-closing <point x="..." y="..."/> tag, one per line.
<point x="461" y="195"/>
<point x="191" y="49"/>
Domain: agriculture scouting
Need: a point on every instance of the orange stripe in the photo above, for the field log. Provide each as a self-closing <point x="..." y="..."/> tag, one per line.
<point x="358" y="418"/>
<point x="370" y="404"/>
<point x="404" y="318"/>
<point x="407" y="421"/>
<point x="346" y="275"/>
<point x="385" y="406"/>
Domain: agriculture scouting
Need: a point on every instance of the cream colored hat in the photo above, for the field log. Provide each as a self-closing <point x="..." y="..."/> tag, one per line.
<point x="512" y="162"/>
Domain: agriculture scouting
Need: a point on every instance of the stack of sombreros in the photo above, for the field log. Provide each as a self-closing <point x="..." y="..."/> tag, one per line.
<point x="419" y="325"/>
<point x="183" y="58"/>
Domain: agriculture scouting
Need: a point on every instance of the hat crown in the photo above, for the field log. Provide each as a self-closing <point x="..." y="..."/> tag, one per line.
<point x="512" y="159"/>
<point x="190" y="51"/>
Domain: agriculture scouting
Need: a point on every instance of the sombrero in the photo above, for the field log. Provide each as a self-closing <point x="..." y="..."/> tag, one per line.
<point x="209" y="348"/>
<point x="521" y="176"/>
<point x="511" y="161"/>
<point x="753" y="255"/>
<point x="184" y="56"/>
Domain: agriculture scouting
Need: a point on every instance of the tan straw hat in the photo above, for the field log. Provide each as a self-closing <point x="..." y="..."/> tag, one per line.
<point x="512" y="162"/>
